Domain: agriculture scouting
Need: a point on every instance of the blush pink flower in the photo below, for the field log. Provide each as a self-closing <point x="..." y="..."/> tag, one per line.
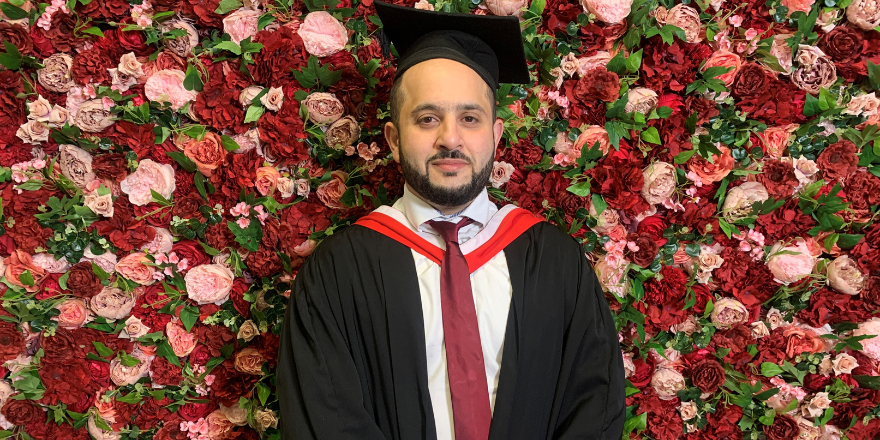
<point x="723" y="58"/>
<point x="870" y="346"/>
<point x="798" y="5"/>
<point x="322" y="34"/>
<point x="241" y="24"/>
<point x="133" y="266"/>
<point x="167" y="86"/>
<point x="74" y="313"/>
<point x="209" y="283"/>
<point x="180" y="340"/>
<point x="609" y="11"/>
<point x="149" y="176"/>
<point x="790" y="263"/>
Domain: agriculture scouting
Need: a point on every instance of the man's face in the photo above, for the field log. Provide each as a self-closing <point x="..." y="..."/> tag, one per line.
<point x="446" y="138"/>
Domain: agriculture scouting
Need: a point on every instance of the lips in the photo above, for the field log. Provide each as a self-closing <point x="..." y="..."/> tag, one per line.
<point x="449" y="165"/>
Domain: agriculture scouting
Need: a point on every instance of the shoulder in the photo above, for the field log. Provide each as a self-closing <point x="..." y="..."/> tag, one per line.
<point x="547" y="235"/>
<point x="354" y="240"/>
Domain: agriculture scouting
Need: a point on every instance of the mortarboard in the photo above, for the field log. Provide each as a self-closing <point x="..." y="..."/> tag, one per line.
<point x="490" y="45"/>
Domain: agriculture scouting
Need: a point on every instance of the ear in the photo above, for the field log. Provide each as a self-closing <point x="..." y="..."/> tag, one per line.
<point x="393" y="138"/>
<point x="498" y="129"/>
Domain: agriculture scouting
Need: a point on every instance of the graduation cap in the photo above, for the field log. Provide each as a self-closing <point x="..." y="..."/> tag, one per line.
<point x="490" y="45"/>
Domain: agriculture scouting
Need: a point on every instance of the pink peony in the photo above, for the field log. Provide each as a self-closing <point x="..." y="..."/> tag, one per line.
<point x="149" y="176"/>
<point x="331" y="191"/>
<point x="729" y="312"/>
<point x="267" y="179"/>
<point x="322" y="34"/>
<point x="181" y="342"/>
<point x="871" y="346"/>
<point x="798" y="5"/>
<point x="133" y="267"/>
<point x="241" y="24"/>
<point x="790" y="263"/>
<point x="775" y="139"/>
<point x="167" y="86"/>
<point x="73" y="314"/>
<point x="209" y="283"/>
<point x="609" y="11"/>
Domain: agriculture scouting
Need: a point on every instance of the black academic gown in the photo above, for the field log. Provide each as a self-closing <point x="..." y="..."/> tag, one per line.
<point x="352" y="358"/>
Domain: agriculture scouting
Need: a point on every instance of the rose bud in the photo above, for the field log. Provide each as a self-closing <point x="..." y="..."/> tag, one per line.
<point x="323" y="108"/>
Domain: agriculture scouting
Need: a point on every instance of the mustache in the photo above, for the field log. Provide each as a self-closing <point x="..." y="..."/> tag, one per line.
<point x="450" y="154"/>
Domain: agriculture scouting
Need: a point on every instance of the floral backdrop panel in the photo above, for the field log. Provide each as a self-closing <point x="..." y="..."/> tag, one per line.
<point x="166" y="166"/>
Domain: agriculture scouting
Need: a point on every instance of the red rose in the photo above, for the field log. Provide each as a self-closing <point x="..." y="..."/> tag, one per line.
<point x="751" y="79"/>
<point x="12" y="342"/>
<point x="28" y="234"/>
<point x="215" y="337"/>
<point x="100" y="372"/>
<point x="18" y="36"/>
<point x="149" y="315"/>
<point x="170" y="430"/>
<point x="195" y="411"/>
<point x="240" y="172"/>
<point x="242" y="306"/>
<point x="620" y="182"/>
<point x="108" y="9"/>
<point x="842" y="43"/>
<point x="230" y="384"/>
<point x="704" y="108"/>
<point x="204" y="13"/>
<point x="644" y="371"/>
<point x="82" y="280"/>
<point x="838" y="160"/>
<point x="22" y="412"/>
<point x="779" y="179"/>
<point x="133" y="41"/>
<point x="599" y="84"/>
<point x="863" y="190"/>
<point x="647" y="249"/>
<point x="187" y="207"/>
<point x="707" y="375"/>
<point x="192" y="251"/>
<point x="152" y="412"/>
<point x="200" y="355"/>
<point x="784" y="427"/>
<point x="60" y="32"/>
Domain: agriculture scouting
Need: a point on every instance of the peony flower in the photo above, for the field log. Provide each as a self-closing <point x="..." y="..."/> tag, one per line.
<point x="322" y="34"/>
<point x="640" y="99"/>
<point x="705" y="172"/>
<point x="870" y="346"/>
<point x="845" y="276"/>
<point x="775" y="139"/>
<point x="688" y="19"/>
<point x="501" y="172"/>
<point x="600" y="59"/>
<point x="219" y="426"/>
<point x="507" y="7"/>
<point x="73" y="314"/>
<point x="91" y="116"/>
<point x="790" y="263"/>
<point x="134" y="267"/>
<point x="18" y="262"/>
<point x="729" y="312"/>
<point x="76" y="164"/>
<point x="813" y="77"/>
<point x="723" y="58"/>
<point x="207" y="153"/>
<point x="47" y="262"/>
<point x="666" y="382"/>
<point x="323" y="108"/>
<point x="112" y="303"/>
<point x="181" y="341"/>
<point x="609" y="11"/>
<point x="331" y="192"/>
<point x="739" y="199"/>
<point x="589" y="137"/>
<point x="798" y="5"/>
<point x="55" y="76"/>
<point x="342" y="133"/>
<point x="241" y="24"/>
<point x="209" y="283"/>
<point x="122" y="375"/>
<point x="148" y="176"/>
<point x="659" y="182"/>
<point x="864" y="13"/>
<point x="167" y="86"/>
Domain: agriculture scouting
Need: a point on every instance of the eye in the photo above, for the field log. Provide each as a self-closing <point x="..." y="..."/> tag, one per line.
<point x="471" y="119"/>
<point x="427" y="119"/>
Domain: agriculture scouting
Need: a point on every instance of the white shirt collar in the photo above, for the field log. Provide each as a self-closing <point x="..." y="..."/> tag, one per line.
<point x="418" y="211"/>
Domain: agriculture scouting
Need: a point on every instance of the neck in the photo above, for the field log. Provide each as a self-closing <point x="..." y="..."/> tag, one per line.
<point x="445" y="210"/>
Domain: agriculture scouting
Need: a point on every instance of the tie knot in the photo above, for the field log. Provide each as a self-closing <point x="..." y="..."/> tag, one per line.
<point x="449" y="230"/>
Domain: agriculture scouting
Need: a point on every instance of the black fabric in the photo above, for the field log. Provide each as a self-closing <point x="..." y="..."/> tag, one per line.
<point x="490" y="45"/>
<point x="352" y="357"/>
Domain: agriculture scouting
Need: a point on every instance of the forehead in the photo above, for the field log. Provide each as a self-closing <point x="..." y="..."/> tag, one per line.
<point x="443" y="80"/>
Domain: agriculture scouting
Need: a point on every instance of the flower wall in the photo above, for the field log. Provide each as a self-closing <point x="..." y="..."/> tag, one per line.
<point x="167" y="165"/>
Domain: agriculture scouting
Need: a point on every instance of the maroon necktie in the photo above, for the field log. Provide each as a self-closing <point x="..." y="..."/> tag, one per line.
<point x="471" y="413"/>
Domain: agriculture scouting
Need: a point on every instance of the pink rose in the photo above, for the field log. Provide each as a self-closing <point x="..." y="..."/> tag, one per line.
<point x="219" y="426"/>
<point x="609" y="11"/>
<point x="667" y="382"/>
<point x="73" y="314"/>
<point x="161" y="244"/>
<point x="501" y="172"/>
<point x="798" y="5"/>
<point x="149" y="175"/>
<point x="209" y="283"/>
<point x="845" y="276"/>
<point x="305" y="248"/>
<point x="267" y="179"/>
<point x="659" y="182"/>
<point x="122" y="375"/>
<point x="133" y="267"/>
<point x="589" y="137"/>
<point x="729" y="312"/>
<point x="775" y="139"/>
<point x="723" y="58"/>
<point x="322" y="34"/>
<point x="790" y="263"/>
<point x="167" y="86"/>
<point x="241" y="24"/>
<point x="181" y="342"/>
<point x="331" y="192"/>
<point x="506" y="7"/>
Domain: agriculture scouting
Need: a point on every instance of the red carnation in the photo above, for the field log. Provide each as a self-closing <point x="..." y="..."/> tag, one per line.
<point x="838" y="160"/>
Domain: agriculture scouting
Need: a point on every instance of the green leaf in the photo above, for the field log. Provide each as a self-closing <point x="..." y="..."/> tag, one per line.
<point x="617" y="64"/>
<point x="768" y="417"/>
<point x="131" y="398"/>
<point x="99" y="272"/>
<point x="874" y="75"/>
<point x="127" y="360"/>
<point x="164" y="349"/>
<point x="651" y="135"/>
<point x="102" y="349"/>
<point x="192" y="80"/>
<point x="253" y="113"/>
<point x="228" y="45"/>
<point x="684" y="156"/>
<point x="188" y="316"/>
<point x="263" y="392"/>
<point x="185" y="162"/>
<point x="769" y="369"/>
<point x="634" y="61"/>
<point x="599" y="203"/>
<point x="811" y="106"/>
<point x="227" y="6"/>
<point x="848" y="241"/>
<point x="580" y="189"/>
<point x="826" y="100"/>
<point x="12" y="58"/>
<point x="13" y="12"/>
<point x="26" y="278"/>
<point x="62" y="281"/>
<point x="229" y="143"/>
<point x="93" y="31"/>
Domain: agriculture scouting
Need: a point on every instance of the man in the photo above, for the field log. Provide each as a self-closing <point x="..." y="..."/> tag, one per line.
<point x="444" y="317"/>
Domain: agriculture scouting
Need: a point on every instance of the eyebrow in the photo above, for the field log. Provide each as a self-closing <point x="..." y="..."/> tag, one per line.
<point x="465" y="106"/>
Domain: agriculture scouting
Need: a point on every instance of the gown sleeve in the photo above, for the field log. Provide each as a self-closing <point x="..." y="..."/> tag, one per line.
<point x="594" y="402"/>
<point x="318" y="385"/>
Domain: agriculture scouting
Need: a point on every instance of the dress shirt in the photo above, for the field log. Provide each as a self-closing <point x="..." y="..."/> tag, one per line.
<point x="492" y="292"/>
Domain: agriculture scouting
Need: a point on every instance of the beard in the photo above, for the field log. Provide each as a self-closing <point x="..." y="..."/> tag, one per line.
<point x="443" y="196"/>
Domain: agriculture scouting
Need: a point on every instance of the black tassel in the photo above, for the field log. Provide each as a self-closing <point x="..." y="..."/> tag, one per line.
<point x="385" y="43"/>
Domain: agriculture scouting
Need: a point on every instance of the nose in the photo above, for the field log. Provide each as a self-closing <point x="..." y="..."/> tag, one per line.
<point x="449" y="136"/>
